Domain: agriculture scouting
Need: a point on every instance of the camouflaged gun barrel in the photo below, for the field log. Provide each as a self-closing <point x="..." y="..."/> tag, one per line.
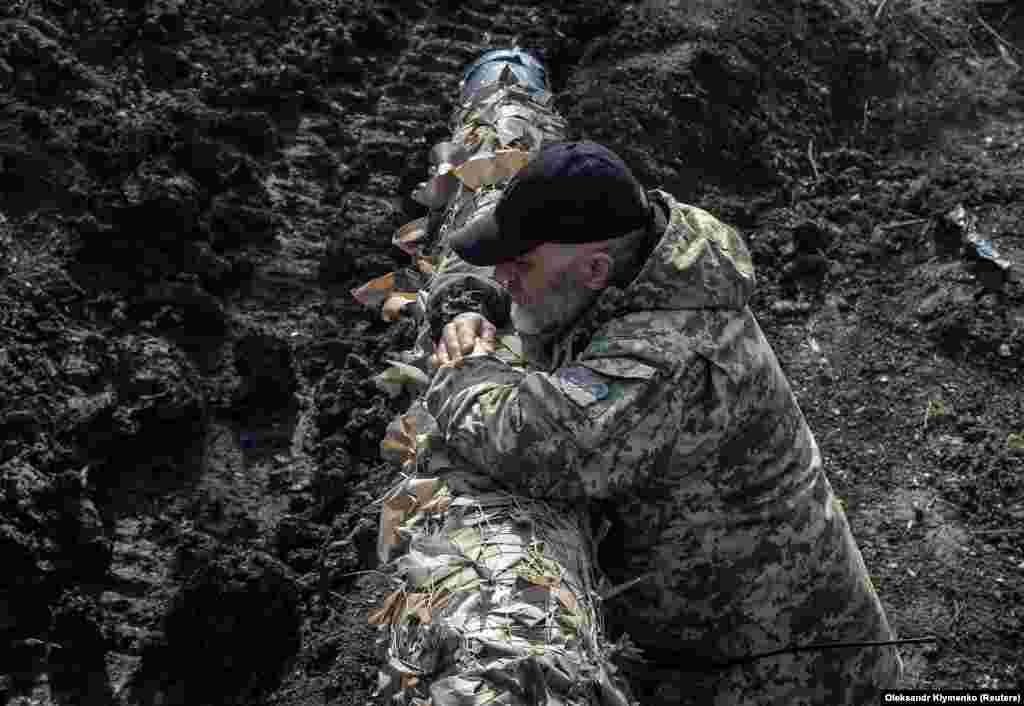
<point x="495" y="598"/>
<point x="503" y="117"/>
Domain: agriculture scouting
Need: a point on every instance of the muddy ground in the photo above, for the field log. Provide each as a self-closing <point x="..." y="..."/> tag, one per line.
<point x="188" y="190"/>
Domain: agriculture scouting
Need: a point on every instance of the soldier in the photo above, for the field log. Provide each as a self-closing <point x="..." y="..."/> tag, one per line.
<point x="652" y="389"/>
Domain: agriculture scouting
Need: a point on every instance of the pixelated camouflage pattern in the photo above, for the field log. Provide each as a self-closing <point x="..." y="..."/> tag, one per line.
<point x="699" y="442"/>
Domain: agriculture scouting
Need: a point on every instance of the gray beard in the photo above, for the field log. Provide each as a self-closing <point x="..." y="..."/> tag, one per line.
<point x="559" y="308"/>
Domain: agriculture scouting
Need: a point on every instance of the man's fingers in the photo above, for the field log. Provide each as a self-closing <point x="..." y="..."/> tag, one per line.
<point x="451" y="344"/>
<point x="466" y="330"/>
<point x="483" y="345"/>
<point x="463" y="336"/>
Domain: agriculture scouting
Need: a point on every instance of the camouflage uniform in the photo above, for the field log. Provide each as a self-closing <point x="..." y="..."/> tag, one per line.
<point x="666" y="401"/>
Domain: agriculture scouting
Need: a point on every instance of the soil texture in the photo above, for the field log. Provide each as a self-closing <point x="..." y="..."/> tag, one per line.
<point x="189" y="189"/>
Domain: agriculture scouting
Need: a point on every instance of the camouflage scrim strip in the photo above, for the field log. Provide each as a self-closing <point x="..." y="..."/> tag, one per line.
<point x="495" y="594"/>
<point x="495" y="601"/>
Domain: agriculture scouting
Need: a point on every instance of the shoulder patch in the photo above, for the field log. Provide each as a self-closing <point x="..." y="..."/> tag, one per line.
<point x="623" y="367"/>
<point x="582" y="385"/>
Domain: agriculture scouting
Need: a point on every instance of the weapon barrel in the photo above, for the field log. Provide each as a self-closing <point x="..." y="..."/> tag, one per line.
<point x="495" y="595"/>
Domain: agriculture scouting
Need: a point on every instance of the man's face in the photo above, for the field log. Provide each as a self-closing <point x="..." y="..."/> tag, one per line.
<point x="545" y="287"/>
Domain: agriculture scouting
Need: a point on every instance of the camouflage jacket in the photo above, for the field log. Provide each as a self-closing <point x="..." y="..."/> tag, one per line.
<point x="667" y="402"/>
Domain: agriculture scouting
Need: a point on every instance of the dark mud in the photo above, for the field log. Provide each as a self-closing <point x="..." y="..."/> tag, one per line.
<point x="188" y="435"/>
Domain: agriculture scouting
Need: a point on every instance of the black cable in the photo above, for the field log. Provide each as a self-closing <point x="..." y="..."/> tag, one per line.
<point x="678" y="659"/>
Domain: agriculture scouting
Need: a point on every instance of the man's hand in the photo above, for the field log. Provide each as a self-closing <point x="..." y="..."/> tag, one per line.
<point x="465" y="334"/>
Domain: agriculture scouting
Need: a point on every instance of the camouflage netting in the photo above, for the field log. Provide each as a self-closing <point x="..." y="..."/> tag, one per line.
<point x="495" y="131"/>
<point x="496" y="598"/>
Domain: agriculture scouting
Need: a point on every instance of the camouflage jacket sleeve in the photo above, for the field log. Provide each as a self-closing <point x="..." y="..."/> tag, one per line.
<point x="458" y="287"/>
<point x="593" y="429"/>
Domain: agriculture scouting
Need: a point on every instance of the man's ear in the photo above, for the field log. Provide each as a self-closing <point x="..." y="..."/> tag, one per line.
<point x="595" y="270"/>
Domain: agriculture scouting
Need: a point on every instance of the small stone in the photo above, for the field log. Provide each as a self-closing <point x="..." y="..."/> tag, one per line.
<point x="1004" y="350"/>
